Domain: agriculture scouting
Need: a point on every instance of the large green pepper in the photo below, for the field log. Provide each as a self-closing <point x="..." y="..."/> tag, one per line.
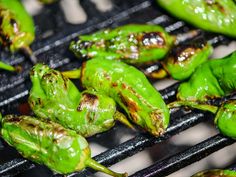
<point x="129" y="88"/>
<point x="181" y="61"/>
<point x="216" y="173"/>
<point x="46" y="142"/>
<point x="135" y="44"/>
<point x="16" y="26"/>
<point x="55" y="97"/>
<point x="213" y="15"/>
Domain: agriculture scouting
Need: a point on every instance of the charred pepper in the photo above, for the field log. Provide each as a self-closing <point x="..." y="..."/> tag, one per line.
<point x="213" y="15"/>
<point x="45" y="142"/>
<point x="129" y="88"/>
<point x="181" y="61"/>
<point x="17" y="26"/>
<point x="134" y="44"/>
<point x="216" y="173"/>
<point x="53" y="96"/>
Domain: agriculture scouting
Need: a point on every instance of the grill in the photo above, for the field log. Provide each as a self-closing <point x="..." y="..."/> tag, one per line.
<point x="51" y="47"/>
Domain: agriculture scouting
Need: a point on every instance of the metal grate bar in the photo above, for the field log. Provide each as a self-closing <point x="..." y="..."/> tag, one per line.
<point x="189" y="156"/>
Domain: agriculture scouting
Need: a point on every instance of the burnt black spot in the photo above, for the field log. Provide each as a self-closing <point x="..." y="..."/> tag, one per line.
<point x="13" y="21"/>
<point x="211" y="3"/>
<point x="15" y="119"/>
<point x="88" y="99"/>
<point x="30" y="125"/>
<point x="153" y="39"/>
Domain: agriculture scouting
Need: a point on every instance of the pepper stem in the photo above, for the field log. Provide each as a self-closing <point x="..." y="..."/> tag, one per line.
<point x="73" y="74"/>
<point x="7" y="67"/>
<point x="204" y="107"/>
<point x="28" y="51"/>
<point x="123" y="119"/>
<point x="97" y="166"/>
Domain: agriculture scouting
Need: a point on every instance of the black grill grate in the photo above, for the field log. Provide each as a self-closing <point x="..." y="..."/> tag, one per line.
<point x="53" y="50"/>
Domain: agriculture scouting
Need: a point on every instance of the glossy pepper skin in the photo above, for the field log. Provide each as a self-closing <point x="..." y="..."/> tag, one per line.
<point x="216" y="173"/>
<point x="180" y="62"/>
<point x="62" y="150"/>
<point x="184" y="59"/>
<point x="53" y="96"/>
<point x="213" y="15"/>
<point x="212" y="79"/>
<point x="134" y="44"/>
<point x="226" y="119"/>
<point x="17" y="27"/>
<point x="129" y="88"/>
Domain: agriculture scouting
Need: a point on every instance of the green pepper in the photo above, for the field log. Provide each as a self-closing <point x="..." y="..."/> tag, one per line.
<point x="181" y="61"/>
<point x="226" y="119"/>
<point x="134" y="44"/>
<point x="216" y="173"/>
<point x="7" y="67"/>
<point x="17" y="26"/>
<point x="213" y="79"/>
<point x="55" y="97"/>
<point x="45" y="142"/>
<point x="129" y="88"/>
<point x="213" y="15"/>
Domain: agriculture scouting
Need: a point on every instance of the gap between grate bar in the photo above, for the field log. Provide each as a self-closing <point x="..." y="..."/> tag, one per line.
<point x="182" y="159"/>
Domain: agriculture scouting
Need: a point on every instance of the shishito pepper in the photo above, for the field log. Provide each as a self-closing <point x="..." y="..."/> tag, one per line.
<point x="17" y="27"/>
<point x="216" y="173"/>
<point x="226" y="119"/>
<point x="129" y="88"/>
<point x="46" y="142"/>
<point x="53" y="96"/>
<point x="181" y="61"/>
<point x="212" y="15"/>
<point x="134" y="44"/>
<point x="212" y="79"/>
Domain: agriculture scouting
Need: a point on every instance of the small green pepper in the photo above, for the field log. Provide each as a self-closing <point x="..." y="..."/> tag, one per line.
<point x="134" y="44"/>
<point x="129" y="88"/>
<point x="181" y="61"/>
<point x="213" y="15"/>
<point x="212" y="79"/>
<point x="55" y="97"/>
<point x="216" y="173"/>
<point x="17" y="26"/>
<point x="45" y="142"/>
<point x="226" y="119"/>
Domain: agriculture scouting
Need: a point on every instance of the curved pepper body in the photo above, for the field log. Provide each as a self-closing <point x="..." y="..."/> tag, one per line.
<point x="6" y="67"/>
<point x="55" y="97"/>
<point x="185" y="58"/>
<point x="47" y="142"/>
<point x="130" y="89"/>
<point x="216" y="16"/>
<point x="134" y="44"/>
<point x="216" y="173"/>
<point x="226" y="119"/>
<point x="17" y="26"/>
<point x="212" y="79"/>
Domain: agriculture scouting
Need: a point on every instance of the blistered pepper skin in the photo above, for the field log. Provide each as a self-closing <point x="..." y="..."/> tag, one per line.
<point x="226" y="119"/>
<point x="130" y="89"/>
<point x="45" y="142"/>
<point x="55" y="97"/>
<point x="214" y="15"/>
<point x="212" y="79"/>
<point x="216" y="173"/>
<point x="134" y="44"/>
<point x="185" y="58"/>
<point x="17" y="27"/>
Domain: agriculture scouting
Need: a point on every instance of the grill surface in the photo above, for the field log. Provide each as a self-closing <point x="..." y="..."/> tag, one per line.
<point x="53" y="50"/>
